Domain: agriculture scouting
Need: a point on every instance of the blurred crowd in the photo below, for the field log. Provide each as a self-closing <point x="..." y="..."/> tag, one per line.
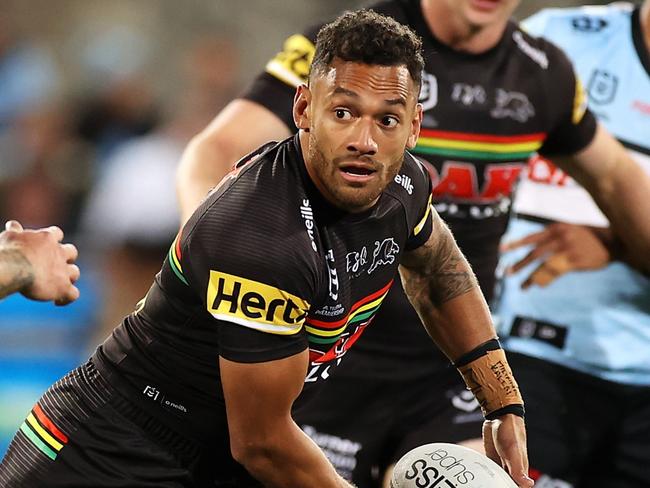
<point x="96" y="157"/>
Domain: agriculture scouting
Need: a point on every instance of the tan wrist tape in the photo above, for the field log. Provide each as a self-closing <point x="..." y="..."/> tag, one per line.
<point x="490" y="379"/>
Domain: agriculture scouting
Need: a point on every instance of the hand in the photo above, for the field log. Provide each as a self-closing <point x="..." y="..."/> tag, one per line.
<point x="51" y="263"/>
<point x="505" y="443"/>
<point x="561" y="248"/>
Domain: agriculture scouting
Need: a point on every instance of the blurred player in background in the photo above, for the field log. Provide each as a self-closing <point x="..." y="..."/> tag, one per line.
<point x="580" y="341"/>
<point x="36" y="264"/>
<point x="492" y="96"/>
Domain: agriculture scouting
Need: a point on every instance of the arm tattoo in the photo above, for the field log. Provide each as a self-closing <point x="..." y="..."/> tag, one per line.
<point x="15" y="272"/>
<point x="438" y="271"/>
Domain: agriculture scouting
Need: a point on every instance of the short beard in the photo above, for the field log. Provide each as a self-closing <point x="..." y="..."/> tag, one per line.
<point x="346" y="200"/>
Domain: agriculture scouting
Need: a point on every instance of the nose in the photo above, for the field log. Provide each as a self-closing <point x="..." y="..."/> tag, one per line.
<point x="363" y="141"/>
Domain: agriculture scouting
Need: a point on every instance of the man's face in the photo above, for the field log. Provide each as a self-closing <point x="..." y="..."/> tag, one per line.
<point x="360" y="118"/>
<point x="481" y="13"/>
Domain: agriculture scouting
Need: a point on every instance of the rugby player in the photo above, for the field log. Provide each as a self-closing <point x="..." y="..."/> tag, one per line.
<point x="196" y="387"/>
<point x="492" y="96"/>
<point x="583" y="338"/>
<point x="36" y="264"/>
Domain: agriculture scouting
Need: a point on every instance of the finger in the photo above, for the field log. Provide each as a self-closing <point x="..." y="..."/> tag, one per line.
<point x="68" y="297"/>
<point x="513" y="460"/>
<point x="14" y="226"/>
<point x="537" y="252"/>
<point x="548" y="271"/>
<point x="488" y="442"/>
<point x="515" y="465"/>
<point x="73" y="272"/>
<point x="560" y="263"/>
<point x="542" y="276"/>
<point x="533" y="238"/>
<point x="523" y="480"/>
<point x="70" y="252"/>
<point x="56" y="232"/>
<point x="518" y="471"/>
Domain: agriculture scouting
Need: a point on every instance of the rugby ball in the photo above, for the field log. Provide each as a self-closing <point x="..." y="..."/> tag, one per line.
<point x="444" y="465"/>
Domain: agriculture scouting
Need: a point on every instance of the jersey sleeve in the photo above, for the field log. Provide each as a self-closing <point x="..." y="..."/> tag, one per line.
<point x="275" y="87"/>
<point x="571" y="125"/>
<point x="422" y="225"/>
<point x="256" y="291"/>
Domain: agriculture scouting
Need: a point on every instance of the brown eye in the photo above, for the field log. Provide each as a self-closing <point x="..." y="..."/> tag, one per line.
<point x="342" y="114"/>
<point x="389" y="121"/>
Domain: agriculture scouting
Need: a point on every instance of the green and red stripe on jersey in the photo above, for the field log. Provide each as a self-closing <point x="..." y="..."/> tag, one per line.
<point x="465" y="145"/>
<point x="175" y="259"/>
<point x="322" y="332"/>
<point x="42" y="432"/>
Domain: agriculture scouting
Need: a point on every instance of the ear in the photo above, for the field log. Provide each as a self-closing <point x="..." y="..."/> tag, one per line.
<point x="302" y="108"/>
<point x="416" y="123"/>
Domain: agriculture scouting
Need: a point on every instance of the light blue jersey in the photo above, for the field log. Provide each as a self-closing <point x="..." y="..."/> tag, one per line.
<point x="597" y="321"/>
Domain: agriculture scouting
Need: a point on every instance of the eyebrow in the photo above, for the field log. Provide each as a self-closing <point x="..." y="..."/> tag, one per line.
<point x="344" y="91"/>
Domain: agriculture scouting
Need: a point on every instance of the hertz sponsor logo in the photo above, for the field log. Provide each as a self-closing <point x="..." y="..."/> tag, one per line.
<point x="255" y="305"/>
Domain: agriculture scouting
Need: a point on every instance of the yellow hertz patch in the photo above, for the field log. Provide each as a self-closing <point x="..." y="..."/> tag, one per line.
<point x="255" y="305"/>
<point x="579" y="102"/>
<point x="291" y="65"/>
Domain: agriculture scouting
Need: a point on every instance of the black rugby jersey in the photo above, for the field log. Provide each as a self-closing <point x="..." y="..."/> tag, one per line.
<point x="484" y="116"/>
<point x="263" y="269"/>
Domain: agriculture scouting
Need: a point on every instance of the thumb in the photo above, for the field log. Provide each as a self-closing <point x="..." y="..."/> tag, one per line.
<point x="523" y="480"/>
<point x="13" y="225"/>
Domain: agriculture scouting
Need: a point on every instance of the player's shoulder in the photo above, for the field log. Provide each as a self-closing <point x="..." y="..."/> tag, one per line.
<point x="257" y="195"/>
<point x="412" y="184"/>
<point x="588" y="21"/>
<point x="259" y="224"/>
<point x="535" y="52"/>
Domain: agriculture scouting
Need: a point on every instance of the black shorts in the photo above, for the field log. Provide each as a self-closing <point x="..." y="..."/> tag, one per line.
<point x="583" y="432"/>
<point x="365" y="423"/>
<point x="83" y="433"/>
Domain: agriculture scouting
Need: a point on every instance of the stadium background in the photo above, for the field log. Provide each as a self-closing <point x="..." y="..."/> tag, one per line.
<point x="97" y="100"/>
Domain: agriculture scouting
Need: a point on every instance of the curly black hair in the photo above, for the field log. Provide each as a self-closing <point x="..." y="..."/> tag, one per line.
<point x="367" y="37"/>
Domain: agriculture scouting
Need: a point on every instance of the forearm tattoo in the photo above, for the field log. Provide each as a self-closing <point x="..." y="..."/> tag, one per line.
<point x="15" y="272"/>
<point x="438" y="270"/>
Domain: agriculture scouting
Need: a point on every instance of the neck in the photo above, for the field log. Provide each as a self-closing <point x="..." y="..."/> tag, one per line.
<point x="644" y="16"/>
<point x="303" y="136"/>
<point x="454" y="31"/>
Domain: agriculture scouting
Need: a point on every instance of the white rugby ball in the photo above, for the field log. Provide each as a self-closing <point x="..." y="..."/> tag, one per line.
<point x="442" y="465"/>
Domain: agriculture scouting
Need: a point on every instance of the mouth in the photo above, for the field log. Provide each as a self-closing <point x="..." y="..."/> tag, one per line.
<point x="486" y="5"/>
<point x="357" y="172"/>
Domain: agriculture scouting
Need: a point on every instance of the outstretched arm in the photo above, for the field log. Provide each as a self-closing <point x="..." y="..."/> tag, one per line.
<point x="263" y="436"/>
<point x="443" y="290"/>
<point x="241" y="127"/>
<point x="620" y="187"/>
<point x="36" y="264"/>
<point x="441" y="286"/>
